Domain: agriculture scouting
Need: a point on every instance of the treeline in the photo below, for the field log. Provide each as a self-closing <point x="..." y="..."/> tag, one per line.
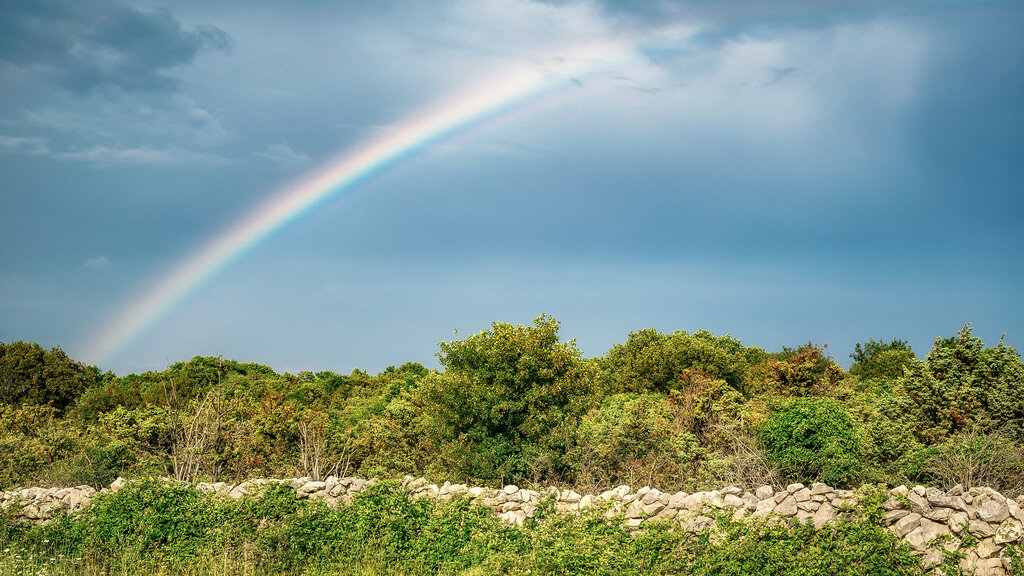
<point x="516" y="404"/>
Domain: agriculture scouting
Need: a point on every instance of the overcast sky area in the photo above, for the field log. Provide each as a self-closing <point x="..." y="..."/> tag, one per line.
<point x="813" y="170"/>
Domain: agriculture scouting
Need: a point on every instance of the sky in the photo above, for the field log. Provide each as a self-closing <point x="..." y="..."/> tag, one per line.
<point x="782" y="172"/>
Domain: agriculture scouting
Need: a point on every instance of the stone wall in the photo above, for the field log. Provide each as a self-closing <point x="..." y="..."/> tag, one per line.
<point x="980" y="523"/>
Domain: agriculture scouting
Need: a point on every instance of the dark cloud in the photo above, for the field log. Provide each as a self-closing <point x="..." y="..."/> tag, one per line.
<point x="93" y="46"/>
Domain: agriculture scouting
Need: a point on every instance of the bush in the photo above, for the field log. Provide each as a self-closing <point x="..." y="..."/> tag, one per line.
<point x="973" y="458"/>
<point x="963" y="384"/>
<point x="637" y="440"/>
<point x="813" y="440"/>
<point x="650" y="361"/>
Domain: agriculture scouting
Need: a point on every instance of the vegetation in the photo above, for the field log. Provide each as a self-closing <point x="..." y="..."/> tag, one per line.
<point x="513" y="404"/>
<point x="517" y="404"/>
<point x="166" y="529"/>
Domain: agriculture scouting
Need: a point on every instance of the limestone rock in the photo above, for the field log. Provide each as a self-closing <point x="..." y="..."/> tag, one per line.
<point x="750" y="501"/>
<point x="819" y="489"/>
<point x="980" y="529"/>
<point x="787" y="507"/>
<point x="894" y="515"/>
<point x="932" y="558"/>
<point x="825" y="514"/>
<point x="907" y="524"/>
<point x="765" y="507"/>
<point x="958" y="521"/>
<point x="1008" y="531"/>
<point x="919" y="503"/>
<point x="988" y="548"/>
<point x="732" y="501"/>
<point x="892" y="504"/>
<point x="513" y="517"/>
<point x="992" y="511"/>
<point x="650" y="497"/>
<point x="927" y="531"/>
<point x="808" y="505"/>
<point x="939" y="514"/>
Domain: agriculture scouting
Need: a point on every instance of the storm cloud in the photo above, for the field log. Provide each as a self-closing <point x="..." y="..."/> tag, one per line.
<point x="88" y="46"/>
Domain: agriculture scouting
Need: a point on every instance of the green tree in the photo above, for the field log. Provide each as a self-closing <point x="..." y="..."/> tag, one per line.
<point x="30" y="374"/>
<point x="881" y="360"/>
<point x="962" y="382"/>
<point x="505" y="393"/>
<point x="650" y="361"/>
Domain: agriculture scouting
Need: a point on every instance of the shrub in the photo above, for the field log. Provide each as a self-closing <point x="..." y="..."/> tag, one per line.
<point x="637" y="440"/>
<point x="962" y="383"/>
<point x="973" y="458"/>
<point x="813" y="439"/>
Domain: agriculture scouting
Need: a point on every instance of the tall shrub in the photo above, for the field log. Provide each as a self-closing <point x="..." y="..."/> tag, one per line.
<point x="813" y="439"/>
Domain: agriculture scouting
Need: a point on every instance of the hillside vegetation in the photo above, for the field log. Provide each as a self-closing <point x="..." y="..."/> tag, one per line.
<point x="517" y="404"/>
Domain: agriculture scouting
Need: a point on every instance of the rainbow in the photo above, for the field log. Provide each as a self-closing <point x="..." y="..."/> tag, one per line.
<point x="488" y="100"/>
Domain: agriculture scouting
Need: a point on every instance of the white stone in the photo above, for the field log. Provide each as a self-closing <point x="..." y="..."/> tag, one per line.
<point x="907" y="524"/>
<point x="992" y="511"/>
<point x="825" y="514"/>
<point x="921" y="536"/>
<point x="1008" y="531"/>
<point x="787" y="507"/>
<point x="980" y="529"/>
<point x="988" y="548"/>
<point x="819" y="488"/>
<point x="764" y="507"/>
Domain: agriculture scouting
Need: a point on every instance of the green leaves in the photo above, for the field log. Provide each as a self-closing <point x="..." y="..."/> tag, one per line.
<point x="650" y="361"/>
<point x="30" y="374"/>
<point x="963" y="383"/>
<point x="505" y="393"/>
<point x="813" y="440"/>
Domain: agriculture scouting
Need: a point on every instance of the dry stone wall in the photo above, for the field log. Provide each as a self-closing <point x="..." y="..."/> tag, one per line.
<point x="980" y="523"/>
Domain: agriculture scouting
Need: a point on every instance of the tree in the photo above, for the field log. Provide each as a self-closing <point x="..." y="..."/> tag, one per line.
<point x="804" y="371"/>
<point x="30" y="374"/>
<point x="962" y="382"/>
<point x="638" y="440"/>
<point x="650" y="361"/>
<point x="504" y="393"/>
<point x="881" y="360"/>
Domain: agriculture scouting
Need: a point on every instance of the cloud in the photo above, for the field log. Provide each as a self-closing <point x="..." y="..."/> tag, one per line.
<point x="143" y="155"/>
<point x="174" y="117"/>
<point x="20" y="145"/>
<point x="101" y="264"/>
<point x="284" y="156"/>
<point x="89" y="46"/>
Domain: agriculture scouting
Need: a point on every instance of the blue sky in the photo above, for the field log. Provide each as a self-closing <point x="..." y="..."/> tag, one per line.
<point x="825" y="171"/>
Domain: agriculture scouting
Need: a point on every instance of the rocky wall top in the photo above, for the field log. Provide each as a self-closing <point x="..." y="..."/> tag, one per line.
<point x="980" y="523"/>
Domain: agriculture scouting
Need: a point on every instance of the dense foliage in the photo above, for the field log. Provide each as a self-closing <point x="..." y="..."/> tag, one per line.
<point x="517" y="404"/>
<point x="156" y="528"/>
